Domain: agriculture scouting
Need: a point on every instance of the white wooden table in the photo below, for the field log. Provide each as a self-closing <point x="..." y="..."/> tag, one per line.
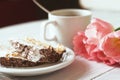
<point x="80" y="69"/>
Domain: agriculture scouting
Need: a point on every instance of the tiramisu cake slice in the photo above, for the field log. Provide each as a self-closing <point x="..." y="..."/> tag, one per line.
<point x="30" y="52"/>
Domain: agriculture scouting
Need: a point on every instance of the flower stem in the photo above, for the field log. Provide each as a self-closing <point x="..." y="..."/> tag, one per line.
<point x="117" y="29"/>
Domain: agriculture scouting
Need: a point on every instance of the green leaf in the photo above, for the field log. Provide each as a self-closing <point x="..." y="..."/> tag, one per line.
<point x="117" y="29"/>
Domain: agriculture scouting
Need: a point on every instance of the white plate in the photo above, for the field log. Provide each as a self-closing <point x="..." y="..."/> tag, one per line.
<point x="31" y="29"/>
<point x="42" y="69"/>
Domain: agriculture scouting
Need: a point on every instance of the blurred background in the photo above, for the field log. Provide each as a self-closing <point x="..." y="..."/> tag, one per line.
<point x="20" y="11"/>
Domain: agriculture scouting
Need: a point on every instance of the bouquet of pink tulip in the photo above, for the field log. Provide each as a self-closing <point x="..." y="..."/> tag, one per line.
<point x="99" y="42"/>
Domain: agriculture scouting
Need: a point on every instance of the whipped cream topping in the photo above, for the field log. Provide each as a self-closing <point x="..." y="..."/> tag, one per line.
<point x="26" y="51"/>
<point x="29" y="49"/>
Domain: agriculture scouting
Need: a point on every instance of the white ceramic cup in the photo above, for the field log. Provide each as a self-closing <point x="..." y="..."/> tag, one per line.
<point x="66" y="23"/>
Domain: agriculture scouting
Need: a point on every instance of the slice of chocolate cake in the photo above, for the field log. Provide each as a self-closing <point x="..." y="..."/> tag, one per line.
<point x="30" y="52"/>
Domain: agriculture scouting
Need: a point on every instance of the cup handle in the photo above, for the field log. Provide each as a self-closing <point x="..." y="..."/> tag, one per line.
<point x="45" y="31"/>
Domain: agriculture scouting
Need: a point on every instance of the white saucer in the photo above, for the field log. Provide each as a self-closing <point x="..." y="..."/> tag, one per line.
<point x="42" y="69"/>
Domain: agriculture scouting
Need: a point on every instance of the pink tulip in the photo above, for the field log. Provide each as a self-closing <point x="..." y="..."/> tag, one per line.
<point x="110" y="45"/>
<point x="97" y="29"/>
<point x="79" y="46"/>
<point x="86" y="43"/>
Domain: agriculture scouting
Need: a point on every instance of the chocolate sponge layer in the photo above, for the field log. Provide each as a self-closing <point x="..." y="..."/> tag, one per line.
<point x="16" y="62"/>
<point x="50" y="56"/>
